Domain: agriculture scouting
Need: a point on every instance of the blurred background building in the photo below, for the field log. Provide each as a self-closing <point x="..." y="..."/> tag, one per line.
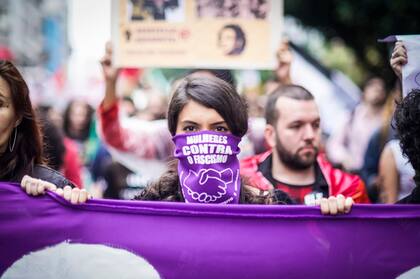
<point x="35" y="32"/>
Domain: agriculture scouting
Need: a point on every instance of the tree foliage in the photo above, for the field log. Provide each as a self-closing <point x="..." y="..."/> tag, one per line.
<point x="360" y="23"/>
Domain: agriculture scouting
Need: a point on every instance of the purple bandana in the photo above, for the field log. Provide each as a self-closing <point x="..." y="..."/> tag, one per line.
<point x="208" y="167"/>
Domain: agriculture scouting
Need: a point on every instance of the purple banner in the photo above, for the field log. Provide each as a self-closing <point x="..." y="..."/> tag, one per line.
<point x="46" y="237"/>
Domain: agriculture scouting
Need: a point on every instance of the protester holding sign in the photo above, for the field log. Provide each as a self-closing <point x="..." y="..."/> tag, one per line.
<point x="407" y="121"/>
<point x="408" y="70"/>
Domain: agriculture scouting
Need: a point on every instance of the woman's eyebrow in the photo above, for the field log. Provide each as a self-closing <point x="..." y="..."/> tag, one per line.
<point x="218" y="123"/>
<point x="189" y="122"/>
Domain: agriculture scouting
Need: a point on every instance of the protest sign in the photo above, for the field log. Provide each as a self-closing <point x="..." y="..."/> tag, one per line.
<point x="411" y="71"/>
<point x="196" y="34"/>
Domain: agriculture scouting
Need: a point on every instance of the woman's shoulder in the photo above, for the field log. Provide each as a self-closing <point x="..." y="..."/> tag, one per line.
<point x="48" y="174"/>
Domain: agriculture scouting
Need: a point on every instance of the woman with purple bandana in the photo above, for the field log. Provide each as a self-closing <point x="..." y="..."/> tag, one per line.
<point x="207" y="119"/>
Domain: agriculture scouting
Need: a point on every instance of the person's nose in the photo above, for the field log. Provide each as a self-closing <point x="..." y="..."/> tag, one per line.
<point x="309" y="133"/>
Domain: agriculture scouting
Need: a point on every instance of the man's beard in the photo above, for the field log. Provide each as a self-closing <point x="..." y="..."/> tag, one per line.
<point x="295" y="161"/>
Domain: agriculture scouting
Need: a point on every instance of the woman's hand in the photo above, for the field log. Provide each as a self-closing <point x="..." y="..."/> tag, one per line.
<point x="335" y="205"/>
<point x="398" y="59"/>
<point x="73" y="195"/>
<point x="35" y="187"/>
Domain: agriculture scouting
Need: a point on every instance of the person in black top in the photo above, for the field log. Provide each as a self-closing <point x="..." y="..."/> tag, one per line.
<point x="407" y="122"/>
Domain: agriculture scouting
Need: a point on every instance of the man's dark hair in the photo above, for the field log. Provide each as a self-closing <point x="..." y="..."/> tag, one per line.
<point x="407" y="121"/>
<point x="292" y="91"/>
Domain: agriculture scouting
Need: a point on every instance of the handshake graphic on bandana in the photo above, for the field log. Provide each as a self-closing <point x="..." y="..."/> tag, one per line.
<point x="210" y="185"/>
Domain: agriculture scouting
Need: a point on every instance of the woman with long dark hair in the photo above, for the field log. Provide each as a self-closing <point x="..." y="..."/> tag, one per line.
<point x="207" y="120"/>
<point x="21" y="144"/>
<point x="20" y="137"/>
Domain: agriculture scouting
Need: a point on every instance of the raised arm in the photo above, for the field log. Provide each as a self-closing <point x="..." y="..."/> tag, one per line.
<point x="149" y="140"/>
<point x="110" y="76"/>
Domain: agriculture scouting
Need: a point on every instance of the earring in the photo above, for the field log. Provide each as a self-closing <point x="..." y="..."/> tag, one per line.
<point x="12" y="146"/>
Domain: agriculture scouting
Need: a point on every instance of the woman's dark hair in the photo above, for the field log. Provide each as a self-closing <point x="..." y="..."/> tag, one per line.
<point x="225" y="75"/>
<point x="407" y="121"/>
<point x="212" y="93"/>
<point x="240" y="38"/>
<point x="28" y="148"/>
<point x="67" y="125"/>
<point x="53" y="136"/>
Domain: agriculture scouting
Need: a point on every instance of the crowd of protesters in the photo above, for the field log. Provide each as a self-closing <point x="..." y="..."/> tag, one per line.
<point x="119" y="151"/>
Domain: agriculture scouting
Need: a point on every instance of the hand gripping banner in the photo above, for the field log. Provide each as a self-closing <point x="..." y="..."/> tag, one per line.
<point x="47" y="237"/>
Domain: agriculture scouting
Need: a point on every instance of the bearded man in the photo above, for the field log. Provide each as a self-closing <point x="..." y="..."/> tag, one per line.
<point x="294" y="164"/>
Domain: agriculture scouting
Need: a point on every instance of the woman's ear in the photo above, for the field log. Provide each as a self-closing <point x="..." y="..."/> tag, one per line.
<point x="270" y="135"/>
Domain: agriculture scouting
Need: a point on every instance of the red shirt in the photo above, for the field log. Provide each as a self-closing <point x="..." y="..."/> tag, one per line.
<point x="328" y="181"/>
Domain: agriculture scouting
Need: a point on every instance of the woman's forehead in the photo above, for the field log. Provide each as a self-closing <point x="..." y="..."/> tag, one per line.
<point x="196" y="112"/>
<point x="4" y="88"/>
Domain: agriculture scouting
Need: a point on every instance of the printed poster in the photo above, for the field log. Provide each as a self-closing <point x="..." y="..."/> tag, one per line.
<point x="411" y="71"/>
<point x="196" y="33"/>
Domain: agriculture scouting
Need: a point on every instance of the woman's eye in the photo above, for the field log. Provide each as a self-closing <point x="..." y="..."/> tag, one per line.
<point x="3" y="104"/>
<point x="221" y="129"/>
<point x="189" y="128"/>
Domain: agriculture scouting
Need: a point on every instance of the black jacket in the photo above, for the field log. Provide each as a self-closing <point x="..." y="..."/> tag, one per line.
<point x="52" y="176"/>
<point x="414" y="197"/>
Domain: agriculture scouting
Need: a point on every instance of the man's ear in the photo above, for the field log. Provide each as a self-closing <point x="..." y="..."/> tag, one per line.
<point x="18" y="121"/>
<point x="270" y="135"/>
